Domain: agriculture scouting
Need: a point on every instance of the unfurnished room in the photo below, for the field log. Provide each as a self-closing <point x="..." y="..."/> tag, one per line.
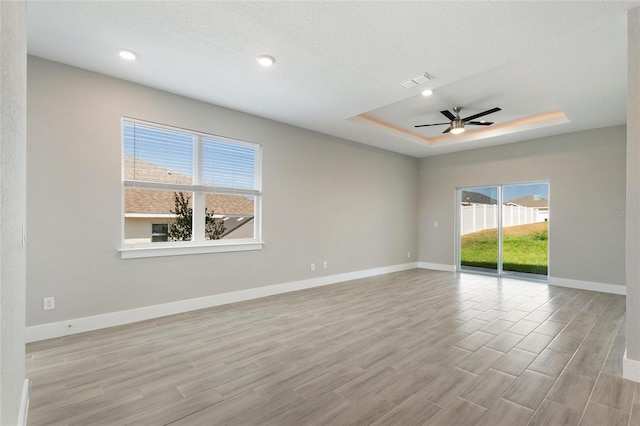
<point x="320" y="213"/>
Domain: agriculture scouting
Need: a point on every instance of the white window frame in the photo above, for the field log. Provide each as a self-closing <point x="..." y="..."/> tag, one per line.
<point x="199" y="244"/>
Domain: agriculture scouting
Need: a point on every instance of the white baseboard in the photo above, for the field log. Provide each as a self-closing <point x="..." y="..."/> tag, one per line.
<point x="588" y="285"/>
<point x="437" y="266"/>
<point x="560" y="282"/>
<point x="80" y="325"/>
<point x="24" y="404"/>
<point x="630" y="368"/>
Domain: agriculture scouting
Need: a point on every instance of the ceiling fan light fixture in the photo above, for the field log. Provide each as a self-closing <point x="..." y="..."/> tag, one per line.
<point x="457" y="127"/>
<point x="427" y="92"/>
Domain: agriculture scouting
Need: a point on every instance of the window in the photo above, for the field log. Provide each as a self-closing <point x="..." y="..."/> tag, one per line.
<point x="159" y="232"/>
<point x="188" y="192"/>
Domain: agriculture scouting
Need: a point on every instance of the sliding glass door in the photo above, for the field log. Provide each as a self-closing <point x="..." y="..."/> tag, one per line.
<point x="479" y="215"/>
<point x="525" y="228"/>
<point x="504" y="229"/>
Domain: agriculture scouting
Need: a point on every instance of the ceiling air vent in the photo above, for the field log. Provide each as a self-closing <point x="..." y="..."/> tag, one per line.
<point x="408" y="84"/>
<point x="414" y="81"/>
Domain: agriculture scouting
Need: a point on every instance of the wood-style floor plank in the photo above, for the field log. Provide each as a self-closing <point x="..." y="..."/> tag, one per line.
<point x="408" y="348"/>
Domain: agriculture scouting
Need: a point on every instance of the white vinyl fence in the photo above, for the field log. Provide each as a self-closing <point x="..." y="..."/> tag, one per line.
<point x="476" y="217"/>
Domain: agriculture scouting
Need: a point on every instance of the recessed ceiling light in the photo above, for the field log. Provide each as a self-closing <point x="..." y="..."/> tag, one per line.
<point x="266" y="60"/>
<point x="128" y="54"/>
<point x="427" y="92"/>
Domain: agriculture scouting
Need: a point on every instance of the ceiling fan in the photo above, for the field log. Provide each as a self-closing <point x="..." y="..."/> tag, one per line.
<point x="456" y="126"/>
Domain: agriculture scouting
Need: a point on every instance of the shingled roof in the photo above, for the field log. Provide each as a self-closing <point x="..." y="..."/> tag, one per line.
<point x="530" y="201"/>
<point x="162" y="202"/>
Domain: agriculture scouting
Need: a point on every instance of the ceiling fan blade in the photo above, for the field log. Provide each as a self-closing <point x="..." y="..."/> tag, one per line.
<point x="480" y="123"/>
<point x="447" y="114"/>
<point x="487" y="112"/>
<point x="448" y="130"/>
<point x="435" y="124"/>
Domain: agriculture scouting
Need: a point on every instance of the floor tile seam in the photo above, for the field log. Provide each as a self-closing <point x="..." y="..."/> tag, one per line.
<point x="535" y="409"/>
<point x="191" y="413"/>
<point x="500" y="397"/>
<point x="636" y="391"/>
<point x="523" y="350"/>
<point x="180" y="391"/>
<point x="549" y="375"/>
<point x="525" y="335"/>
<point x="102" y="391"/>
<point x="470" y="402"/>
<point x="503" y="372"/>
<point x="334" y="393"/>
<point x="65" y="356"/>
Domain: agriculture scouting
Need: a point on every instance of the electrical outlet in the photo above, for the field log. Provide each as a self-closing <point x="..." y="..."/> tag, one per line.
<point x="408" y="255"/>
<point x="313" y="267"/>
<point x="325" y="264"/>
<point x="48" y="303"/>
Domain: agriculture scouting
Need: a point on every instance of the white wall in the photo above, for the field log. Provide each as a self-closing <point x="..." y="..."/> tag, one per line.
<point x="324" y="199"/>
<point x="586" y="171"/>
<point x="13" y="51"/>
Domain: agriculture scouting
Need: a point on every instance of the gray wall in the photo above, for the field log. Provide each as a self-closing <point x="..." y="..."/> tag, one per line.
<point x="633" y="191"/>
<point x="13" y="51"/>
<point x="323" y="199"/>
<point x="586" y="171"/>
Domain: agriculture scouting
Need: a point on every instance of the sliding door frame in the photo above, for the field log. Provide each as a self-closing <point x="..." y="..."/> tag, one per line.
<point x="500" y="208"/>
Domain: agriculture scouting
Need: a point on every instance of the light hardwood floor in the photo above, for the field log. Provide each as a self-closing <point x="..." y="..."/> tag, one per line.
<point x="408" y="348"/>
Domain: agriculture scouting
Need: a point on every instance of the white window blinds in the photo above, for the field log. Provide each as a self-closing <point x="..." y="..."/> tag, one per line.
<point x="228" y="165"/>
<point x="171" y="158"/>
<point x="157" y="155"/>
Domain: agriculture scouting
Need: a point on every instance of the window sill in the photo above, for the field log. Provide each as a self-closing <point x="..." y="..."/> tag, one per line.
<point x="148" y="251"/>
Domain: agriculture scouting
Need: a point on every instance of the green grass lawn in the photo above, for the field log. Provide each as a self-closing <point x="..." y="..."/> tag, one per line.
<point x="524" y="249"/>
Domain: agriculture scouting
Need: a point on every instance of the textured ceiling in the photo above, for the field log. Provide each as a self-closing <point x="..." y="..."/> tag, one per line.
<point x="339" y="63"/>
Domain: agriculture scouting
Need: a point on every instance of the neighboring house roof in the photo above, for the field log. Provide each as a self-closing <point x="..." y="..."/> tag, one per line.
<point x="530" y="201"/>
<point x="162" y="202"/>
<point x="477" y="198"/>
<point x="137" y="169"/>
